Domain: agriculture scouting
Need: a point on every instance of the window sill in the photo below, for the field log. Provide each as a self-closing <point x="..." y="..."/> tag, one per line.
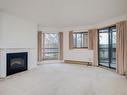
<point x="79" y="48"/>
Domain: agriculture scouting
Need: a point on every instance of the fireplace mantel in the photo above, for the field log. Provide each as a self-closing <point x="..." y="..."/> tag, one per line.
<point x="15" y="49"/>
<point x="32" y="58"/>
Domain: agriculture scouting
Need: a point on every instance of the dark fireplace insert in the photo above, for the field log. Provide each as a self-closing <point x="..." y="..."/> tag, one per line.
<point x="16" y="62"/>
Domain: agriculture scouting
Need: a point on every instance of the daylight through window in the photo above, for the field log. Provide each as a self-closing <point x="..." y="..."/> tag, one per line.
<point x="80" y="39"/>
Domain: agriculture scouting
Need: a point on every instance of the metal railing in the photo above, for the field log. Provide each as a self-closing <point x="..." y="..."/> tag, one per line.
<point x="50" y="53"/>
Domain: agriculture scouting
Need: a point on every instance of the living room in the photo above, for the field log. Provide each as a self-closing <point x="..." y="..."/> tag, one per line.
<point x="58" y="47"/>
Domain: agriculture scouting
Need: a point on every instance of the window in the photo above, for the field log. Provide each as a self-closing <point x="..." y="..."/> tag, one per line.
<point x="80" y="40"/>
<point x="50" y="50"/>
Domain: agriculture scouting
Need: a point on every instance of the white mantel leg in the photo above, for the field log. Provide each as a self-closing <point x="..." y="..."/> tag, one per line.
<point x="2" y="64"/>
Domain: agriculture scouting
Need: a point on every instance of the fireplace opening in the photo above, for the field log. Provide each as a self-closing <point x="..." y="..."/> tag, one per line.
<point x="16" y="62"/>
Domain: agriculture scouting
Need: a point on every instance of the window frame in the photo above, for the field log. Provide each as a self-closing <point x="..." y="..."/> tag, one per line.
<point x="50" y="48"/>
<point x="83" y="46"/>
<point x="110" y="48"/>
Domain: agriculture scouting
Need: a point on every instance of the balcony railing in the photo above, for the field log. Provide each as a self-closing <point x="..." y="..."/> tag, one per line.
<point x="50" y="53"/>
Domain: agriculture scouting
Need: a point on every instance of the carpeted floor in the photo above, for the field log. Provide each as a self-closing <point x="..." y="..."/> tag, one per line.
<point x="64" y="79"/>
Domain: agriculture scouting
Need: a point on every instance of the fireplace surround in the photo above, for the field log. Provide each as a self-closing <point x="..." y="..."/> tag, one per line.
<point x="16" y="62"/>
<point x="31" y="58"/>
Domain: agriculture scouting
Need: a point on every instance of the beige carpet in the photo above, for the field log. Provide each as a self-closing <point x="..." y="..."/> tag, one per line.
<point x="64" y="79"/>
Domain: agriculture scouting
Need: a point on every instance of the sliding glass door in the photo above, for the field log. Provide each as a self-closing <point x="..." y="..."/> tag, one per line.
<point x="107" y="47"/>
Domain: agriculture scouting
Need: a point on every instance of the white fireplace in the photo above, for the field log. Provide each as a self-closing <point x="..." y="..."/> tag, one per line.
<point x="32" y="60"/>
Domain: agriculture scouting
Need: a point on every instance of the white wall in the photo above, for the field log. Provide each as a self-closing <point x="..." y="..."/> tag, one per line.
<point x="17" y="33"/>
<point x="0" y="24"/>
<point x="84" y="54"/>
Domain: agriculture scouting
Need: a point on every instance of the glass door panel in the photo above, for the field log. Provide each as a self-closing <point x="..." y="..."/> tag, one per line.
<point x="113" y="48"/>
<point x="103" y="47"/>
